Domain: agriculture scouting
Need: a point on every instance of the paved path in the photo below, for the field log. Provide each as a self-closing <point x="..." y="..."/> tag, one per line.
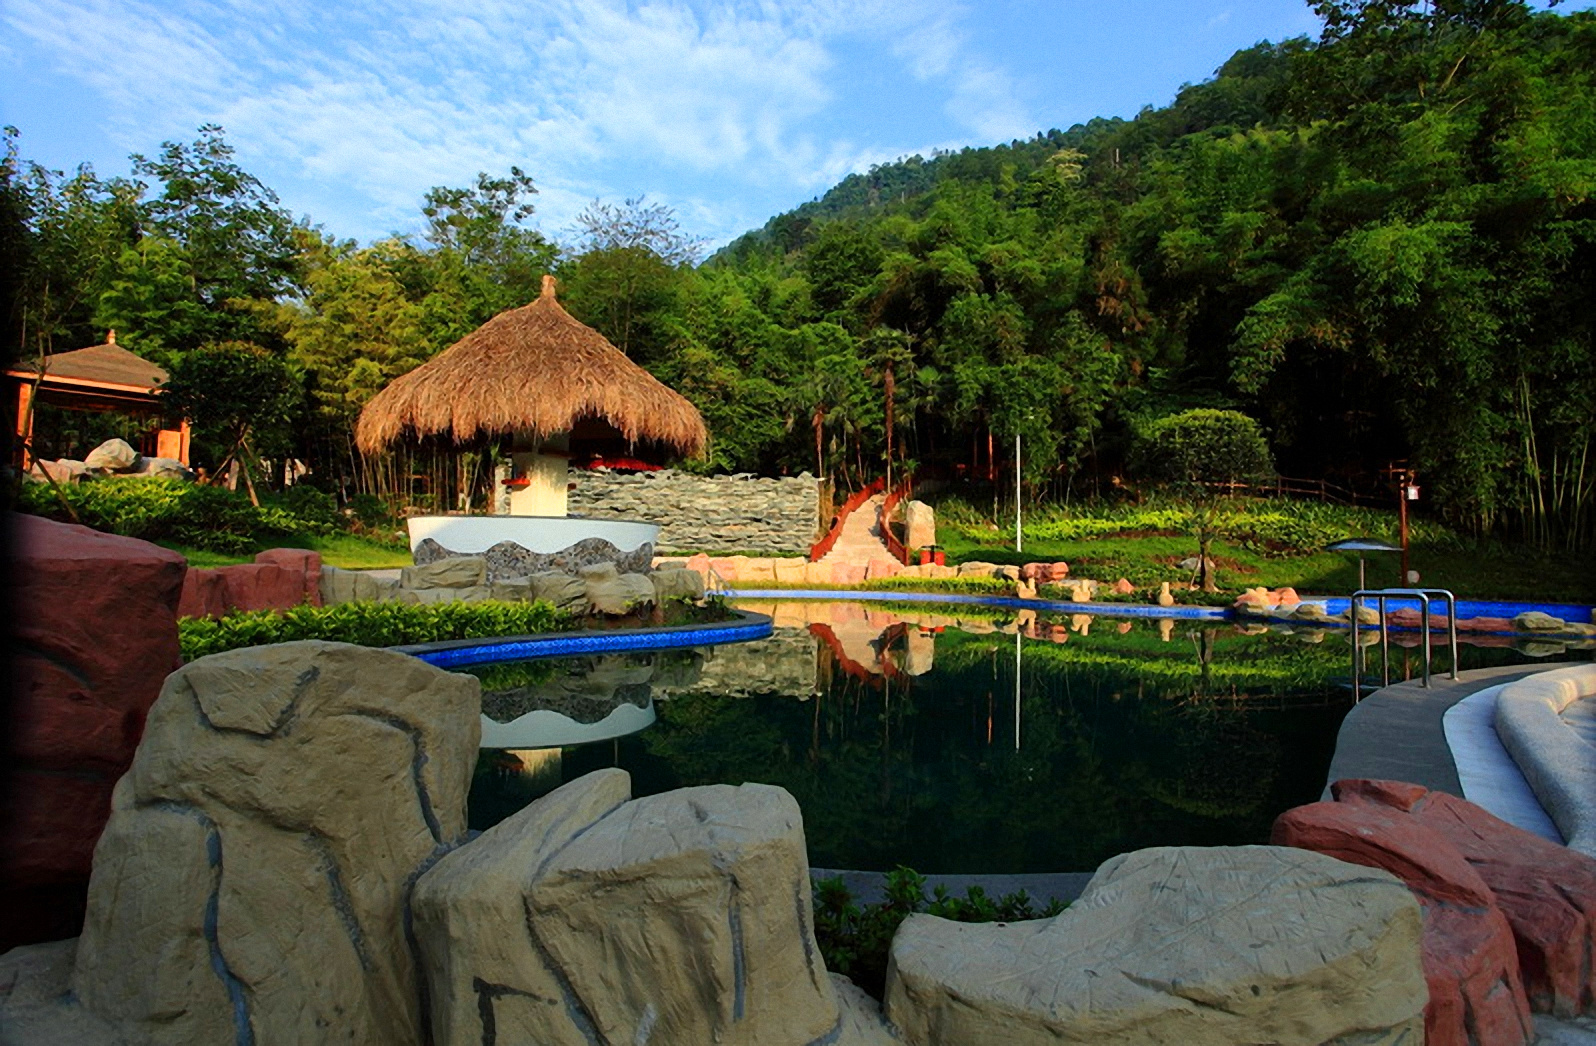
<point x="860" y="541"/>
<point x="1397" y="733"/>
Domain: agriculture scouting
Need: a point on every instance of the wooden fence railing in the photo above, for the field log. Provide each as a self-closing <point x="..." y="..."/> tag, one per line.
<point x="894" y="546"/>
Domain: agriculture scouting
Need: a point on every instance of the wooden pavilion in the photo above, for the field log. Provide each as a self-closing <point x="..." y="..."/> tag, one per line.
<point x="100" y="378"/>
<point x="544" y="386"/>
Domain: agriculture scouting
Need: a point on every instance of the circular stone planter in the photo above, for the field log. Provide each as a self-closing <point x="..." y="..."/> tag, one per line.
<point x="473" y="535"/>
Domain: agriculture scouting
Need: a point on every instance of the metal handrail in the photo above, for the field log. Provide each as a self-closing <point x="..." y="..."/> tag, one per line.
<point x="1382" y="594"/>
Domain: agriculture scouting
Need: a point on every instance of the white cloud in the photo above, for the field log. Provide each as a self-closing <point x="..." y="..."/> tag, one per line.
<point x="593" y="97"/>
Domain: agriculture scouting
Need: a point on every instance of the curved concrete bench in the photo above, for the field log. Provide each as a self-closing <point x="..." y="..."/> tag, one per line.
<point x="1559" y="766"/>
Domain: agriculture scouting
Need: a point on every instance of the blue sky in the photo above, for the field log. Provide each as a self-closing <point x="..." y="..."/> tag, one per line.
<point x="728" y="113"/>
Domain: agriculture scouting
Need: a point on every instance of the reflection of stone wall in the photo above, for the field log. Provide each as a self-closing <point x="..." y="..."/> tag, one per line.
<point x="590" y="688"/>
<point x="706" y="513"/>
<point x="783" y="664"/>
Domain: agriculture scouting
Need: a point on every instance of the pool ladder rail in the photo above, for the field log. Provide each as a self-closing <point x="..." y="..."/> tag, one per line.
<point x="1380" y="595"/>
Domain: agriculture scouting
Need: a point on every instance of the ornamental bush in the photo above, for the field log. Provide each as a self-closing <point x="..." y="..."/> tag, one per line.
<point x="1201" y="447"/>
<point x="156" y="509"/>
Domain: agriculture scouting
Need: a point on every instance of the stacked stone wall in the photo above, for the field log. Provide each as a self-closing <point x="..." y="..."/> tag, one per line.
<point x="740" y="513"/>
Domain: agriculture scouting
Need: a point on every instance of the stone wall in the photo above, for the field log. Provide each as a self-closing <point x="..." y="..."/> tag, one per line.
<point x="738" y="513"/>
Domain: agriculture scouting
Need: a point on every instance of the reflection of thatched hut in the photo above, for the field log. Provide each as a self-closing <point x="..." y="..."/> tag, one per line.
<point x="547" y="384"/>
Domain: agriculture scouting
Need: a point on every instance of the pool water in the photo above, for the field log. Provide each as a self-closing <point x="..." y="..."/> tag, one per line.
<point x="947" y="743"/>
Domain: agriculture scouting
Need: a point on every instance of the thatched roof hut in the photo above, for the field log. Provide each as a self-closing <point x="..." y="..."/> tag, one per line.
<point x="532" y="372"/>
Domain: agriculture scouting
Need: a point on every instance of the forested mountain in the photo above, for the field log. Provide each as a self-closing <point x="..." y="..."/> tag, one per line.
<point x="1381" y="244"/>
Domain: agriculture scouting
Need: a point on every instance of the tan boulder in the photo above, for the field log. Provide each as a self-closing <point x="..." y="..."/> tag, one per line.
<point x="349" y="586"/>
<point x="449" y="572"/>
<point x="939" y="571"/>
<point x="565" y="591"/>
<point x="611" y="592"/>
<point x="1536" y="621"/>
<point x="1189" y="945"/>
<point x="919" y="525"/>
<point x="256" y="866"/>
<point x="511" y="590"/>
<point x="483" y="961"/>
<point x="701" y="929"/>
<point x="678" y="918"/>
<point x="433" y="596"/>
<point x="976" y="568"/>
<point x="677" y="584"/>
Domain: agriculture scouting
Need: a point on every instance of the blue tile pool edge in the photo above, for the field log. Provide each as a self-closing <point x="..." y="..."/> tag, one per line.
<point x="457" y="653"/>
<point x="1466" y="608"/>
<point x="1013" y="602"/>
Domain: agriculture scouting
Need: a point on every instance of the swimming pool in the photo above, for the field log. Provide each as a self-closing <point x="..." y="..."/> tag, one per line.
<point x="957" y="738"/>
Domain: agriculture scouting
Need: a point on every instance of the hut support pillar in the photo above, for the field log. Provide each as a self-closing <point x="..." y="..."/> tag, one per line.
<point x="539" y="479"/>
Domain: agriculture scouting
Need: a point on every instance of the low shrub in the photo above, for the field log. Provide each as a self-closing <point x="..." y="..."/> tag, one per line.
<point x="855" y="939"/>
<point x="368" y="624"/>
<point x="206" y="517"/>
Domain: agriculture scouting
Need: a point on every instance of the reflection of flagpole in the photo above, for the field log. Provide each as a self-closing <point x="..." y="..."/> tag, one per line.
<point x="1016" y="690"/>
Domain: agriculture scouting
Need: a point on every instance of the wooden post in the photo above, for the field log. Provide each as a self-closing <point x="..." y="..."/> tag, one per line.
<point x="25" y="423"/>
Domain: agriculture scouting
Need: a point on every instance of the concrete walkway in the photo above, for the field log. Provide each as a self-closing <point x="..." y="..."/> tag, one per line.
<point x="861" y="541"/>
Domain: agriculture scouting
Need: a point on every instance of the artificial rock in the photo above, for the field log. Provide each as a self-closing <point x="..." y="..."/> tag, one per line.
<point x="1470" y="964"/>
<point x="1189" y="945"/>
<point x="565" y="591"/>
<point x="676" y="584"/>
<point x="95" y="631"/>
<point x="1546" y="891"/>
<point x="450" y="572"/>
<point x="919" y="525"/>
<point x="677" y="918"/>
<point x="114" y="455"/>
<point x="252" y="879"/>
<point x="610" y="592"/>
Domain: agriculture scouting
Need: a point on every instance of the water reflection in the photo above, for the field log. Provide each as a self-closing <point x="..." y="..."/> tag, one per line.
<point x="950" y="741"/>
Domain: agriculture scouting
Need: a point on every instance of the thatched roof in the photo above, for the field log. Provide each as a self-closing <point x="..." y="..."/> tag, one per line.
<point x="534" y="370"/>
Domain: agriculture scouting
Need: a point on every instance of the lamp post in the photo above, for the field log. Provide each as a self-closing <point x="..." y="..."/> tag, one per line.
<point x="1018" y="541"/>
<point x="1360" y="546"/>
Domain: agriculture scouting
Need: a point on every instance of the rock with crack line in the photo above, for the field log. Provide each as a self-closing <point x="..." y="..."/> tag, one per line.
<point x="252" y="882"/>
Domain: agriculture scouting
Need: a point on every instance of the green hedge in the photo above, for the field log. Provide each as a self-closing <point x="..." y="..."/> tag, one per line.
<point x="153" y="509"/>
<point x="368" y="624"/>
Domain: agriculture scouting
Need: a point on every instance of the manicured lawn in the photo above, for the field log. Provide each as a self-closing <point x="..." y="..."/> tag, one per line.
<point x="1483" y="573"/>
<point x="337" y="550"/>
<point x="1269" y="542"/>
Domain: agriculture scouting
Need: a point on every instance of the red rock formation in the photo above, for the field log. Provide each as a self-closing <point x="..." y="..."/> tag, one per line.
<point x="1546" y="891"/>
<point x="278" y="579"/>
<point x="95" y="627"/>
<point x="1470" y="962"/>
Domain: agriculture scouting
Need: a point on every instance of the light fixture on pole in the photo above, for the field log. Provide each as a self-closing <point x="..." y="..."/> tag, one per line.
<point x="1360" y="546"/>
